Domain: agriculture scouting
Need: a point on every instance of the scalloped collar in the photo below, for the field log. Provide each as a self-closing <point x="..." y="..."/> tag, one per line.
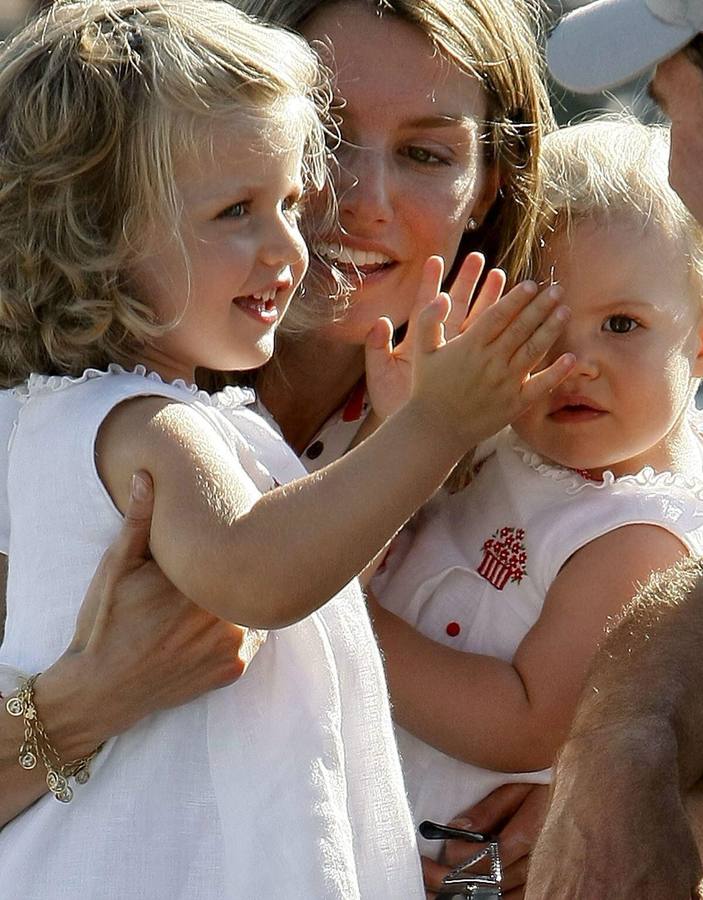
<point x="573" y="482"/>
<point x="228" y="397"/>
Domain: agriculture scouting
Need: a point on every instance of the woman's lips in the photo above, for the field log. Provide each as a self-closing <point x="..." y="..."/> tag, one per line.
<point x="356" y="262"/>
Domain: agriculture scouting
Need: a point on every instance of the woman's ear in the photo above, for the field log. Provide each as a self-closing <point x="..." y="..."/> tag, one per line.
<point x="488" y="194"/>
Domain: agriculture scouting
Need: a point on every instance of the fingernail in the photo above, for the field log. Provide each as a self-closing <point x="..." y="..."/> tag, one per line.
<point x="563" y="313"/>
<point x="530" y="286"/>
<point x="140" y="490"/>
<point x="466" y="824"/>
<point x="555" y="292"/>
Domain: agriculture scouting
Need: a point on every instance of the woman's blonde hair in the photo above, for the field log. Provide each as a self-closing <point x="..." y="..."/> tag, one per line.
<point x="615" y="166"/>
<point x="97" y="101"/>
<point x="494" y="41"/>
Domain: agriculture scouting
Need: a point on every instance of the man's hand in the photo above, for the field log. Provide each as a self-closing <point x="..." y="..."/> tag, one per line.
<point x="515" y="813"/>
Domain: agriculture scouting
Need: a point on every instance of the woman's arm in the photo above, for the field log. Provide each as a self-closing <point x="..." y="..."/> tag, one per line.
<point x="514" y="716"/>
<point x="269" y="561"/>
<point x="139" y="646"/>
<point x="618" y="824"/>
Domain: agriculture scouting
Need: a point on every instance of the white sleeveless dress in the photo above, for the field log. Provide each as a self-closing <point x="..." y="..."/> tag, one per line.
<point x="285" y="784"/>
<point x="473" y="569"/>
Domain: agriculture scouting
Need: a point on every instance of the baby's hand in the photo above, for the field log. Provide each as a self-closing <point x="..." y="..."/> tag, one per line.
<point x="474" y="384"/>
<point x="389" y="369"/>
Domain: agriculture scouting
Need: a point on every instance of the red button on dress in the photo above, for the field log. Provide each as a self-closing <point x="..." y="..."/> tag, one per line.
<point x="453" y="629"/>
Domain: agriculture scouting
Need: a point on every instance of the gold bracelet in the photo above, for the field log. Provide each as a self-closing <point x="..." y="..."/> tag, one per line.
<point x="36" y="745"/>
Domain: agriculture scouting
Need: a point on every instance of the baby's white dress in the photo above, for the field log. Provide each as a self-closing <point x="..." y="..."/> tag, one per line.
<point x="284" y="785"/>
<point x="473" y="569"/>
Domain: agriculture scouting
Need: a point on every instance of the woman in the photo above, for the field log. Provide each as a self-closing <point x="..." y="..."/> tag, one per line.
<point x="443" y="110"/>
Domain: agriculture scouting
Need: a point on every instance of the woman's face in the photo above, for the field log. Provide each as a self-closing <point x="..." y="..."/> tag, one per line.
<point x="412" y="170"/>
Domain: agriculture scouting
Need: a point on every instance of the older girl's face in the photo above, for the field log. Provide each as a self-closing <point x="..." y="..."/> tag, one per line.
<point x="412" y="170"/>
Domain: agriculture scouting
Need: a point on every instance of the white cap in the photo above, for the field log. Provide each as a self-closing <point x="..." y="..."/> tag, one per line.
<point x="611" y="41"/>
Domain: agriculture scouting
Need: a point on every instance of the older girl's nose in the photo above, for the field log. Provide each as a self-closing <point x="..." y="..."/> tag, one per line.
<point x="282" y="244"/>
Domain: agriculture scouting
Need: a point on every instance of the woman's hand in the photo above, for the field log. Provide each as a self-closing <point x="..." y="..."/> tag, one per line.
<point x="145" y="641"/>
<point x="513" y="812"/>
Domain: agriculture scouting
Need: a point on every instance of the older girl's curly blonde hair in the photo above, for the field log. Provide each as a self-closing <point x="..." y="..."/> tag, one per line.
<point x="97" y="100"/>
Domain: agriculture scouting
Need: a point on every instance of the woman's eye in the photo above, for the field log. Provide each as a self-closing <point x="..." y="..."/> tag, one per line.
<point x="422" y="155"/>
<point x="292" y="207"/>
<point x="235" y="211"/>
<point x="620" y="324"/>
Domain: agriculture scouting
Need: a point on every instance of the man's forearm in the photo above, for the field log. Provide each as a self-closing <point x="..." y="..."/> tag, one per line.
<point x="648" y="673"/>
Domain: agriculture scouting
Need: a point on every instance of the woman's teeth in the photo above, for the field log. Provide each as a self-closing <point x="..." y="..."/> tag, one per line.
<point x="349" y="256"/>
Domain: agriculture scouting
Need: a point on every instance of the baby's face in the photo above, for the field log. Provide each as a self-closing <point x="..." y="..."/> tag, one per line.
<point x="635" y="333"/>
<point x="244" y="255"/>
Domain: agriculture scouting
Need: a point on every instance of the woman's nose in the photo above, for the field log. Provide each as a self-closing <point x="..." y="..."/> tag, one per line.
<point x="365" y="188"/>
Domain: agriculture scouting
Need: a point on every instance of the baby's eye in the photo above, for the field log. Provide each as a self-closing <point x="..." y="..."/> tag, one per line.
<point x="235" y="211"/>
<point x="423" y="155"/>
<point x="620" y="324"/>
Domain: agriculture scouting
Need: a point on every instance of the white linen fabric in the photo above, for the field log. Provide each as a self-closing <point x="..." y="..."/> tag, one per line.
<point x="9" y="410"/>
<point x="473" y="569"/>
<point x="286" y="784"/>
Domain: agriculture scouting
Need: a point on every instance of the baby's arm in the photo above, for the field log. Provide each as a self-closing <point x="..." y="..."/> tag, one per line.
<point x="515" y="716"/>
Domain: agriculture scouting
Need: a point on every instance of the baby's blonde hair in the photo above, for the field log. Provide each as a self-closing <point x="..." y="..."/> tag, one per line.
<point x="97" y="101"/>
<point x="617" y="167"/>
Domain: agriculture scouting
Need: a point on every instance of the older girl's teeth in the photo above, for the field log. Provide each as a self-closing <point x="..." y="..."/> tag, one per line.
<point x="349" y="256"/>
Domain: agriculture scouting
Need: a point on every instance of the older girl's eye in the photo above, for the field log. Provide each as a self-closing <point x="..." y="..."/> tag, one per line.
<point x="422" y="155"/>
<point x="235" y="211"/>
<point x="620" y="324"/>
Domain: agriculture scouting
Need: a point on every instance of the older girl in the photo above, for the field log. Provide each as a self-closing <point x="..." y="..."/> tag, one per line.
<point x="440" y="156"/>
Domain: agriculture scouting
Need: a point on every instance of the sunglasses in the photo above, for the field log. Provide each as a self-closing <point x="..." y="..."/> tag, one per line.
<point x="460" y="882"/>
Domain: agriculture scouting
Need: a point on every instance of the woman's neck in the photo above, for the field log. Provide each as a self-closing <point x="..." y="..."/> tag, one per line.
<point x="307" y="381"/>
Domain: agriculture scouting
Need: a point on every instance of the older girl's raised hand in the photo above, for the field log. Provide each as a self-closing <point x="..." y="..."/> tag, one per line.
<point x="471" y="386"/>
<point x="389" y="368"/>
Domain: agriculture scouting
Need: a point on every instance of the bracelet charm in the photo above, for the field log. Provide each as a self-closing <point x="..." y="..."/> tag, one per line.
<point x="36" y="745"/>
